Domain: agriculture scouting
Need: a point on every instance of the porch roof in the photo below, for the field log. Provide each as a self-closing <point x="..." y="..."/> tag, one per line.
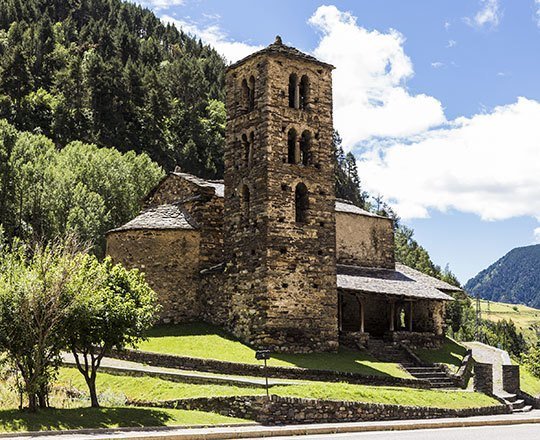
<point x="403" y="281"/>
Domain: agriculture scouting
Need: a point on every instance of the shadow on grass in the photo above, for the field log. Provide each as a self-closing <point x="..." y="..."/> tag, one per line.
<point x="450" y="353"/>
<point x="191" y="329"/>
<point x="79" y="418"/>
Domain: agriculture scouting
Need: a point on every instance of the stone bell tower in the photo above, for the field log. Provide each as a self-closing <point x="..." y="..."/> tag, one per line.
<point x="279" y="235"/>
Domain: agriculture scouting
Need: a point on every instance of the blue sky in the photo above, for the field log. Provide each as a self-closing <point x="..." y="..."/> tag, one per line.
<point x="439" y="100"/>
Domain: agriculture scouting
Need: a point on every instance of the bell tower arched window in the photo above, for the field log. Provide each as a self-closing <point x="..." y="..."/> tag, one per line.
<point x="304" y="92"/>
<point x="292" y="144"/>
<point x="301" y="203"/>
<point x="251" y="104"/>
<point x="293" y="91"/>
<point x="246" y="201"/>
<point x="245" y="95"/>
<point x="305" y="148"/>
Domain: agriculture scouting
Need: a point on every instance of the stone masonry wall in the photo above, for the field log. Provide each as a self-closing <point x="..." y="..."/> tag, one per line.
<point x="364" y="241"/>
<point x="286" y="410"/>
<point x="281" y="273"/>
<point x="511" y="378"/>
<point x="170" y="260"/>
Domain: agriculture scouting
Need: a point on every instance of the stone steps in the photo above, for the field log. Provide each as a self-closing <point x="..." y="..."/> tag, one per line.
<point x="387" y="352"/>
<point x="516" y="404"/>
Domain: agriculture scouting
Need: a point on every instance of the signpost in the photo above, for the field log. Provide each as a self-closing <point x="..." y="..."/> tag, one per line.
<point x="264" y="355"/>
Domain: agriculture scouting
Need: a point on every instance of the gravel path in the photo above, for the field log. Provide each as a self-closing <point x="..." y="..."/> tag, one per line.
<point x="136" y="368"/>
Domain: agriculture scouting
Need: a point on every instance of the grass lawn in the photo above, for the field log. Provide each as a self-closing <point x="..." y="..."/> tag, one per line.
<point x="451" y="353"/>
<point x="389" y="395"/>
<point x="529" y="383"/>
<point x="195" y="340"/>
<point x="78" y="418"/>
<point x="526" y="318"/>
<point x="150" y="388"/>
<point x="160" y="389"/>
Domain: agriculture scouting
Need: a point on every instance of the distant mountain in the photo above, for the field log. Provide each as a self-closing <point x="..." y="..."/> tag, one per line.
<point x="515" y="278"/>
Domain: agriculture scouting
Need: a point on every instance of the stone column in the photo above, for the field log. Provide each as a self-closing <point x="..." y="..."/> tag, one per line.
<point x="410" y="316"/>
<point x="297" y="94"/>
<point x="392" y="315"/>
<point x="361" y="304"/>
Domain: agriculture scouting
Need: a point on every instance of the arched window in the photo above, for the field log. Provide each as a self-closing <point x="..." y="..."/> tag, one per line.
<point x="245" y="95"/>
<point x="305" y="148"/>
<point x="251" y="105"/>
<point x="304" y="92"/>
<point x="292" y="146"/>
<point x="301" y="203"/>
<point x="293" y="91"/>
<point x="246" y="200"/>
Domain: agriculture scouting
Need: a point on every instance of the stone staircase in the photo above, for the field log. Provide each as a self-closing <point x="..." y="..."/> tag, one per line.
<point x="389" y="352"/>
<point x="435" y="375"/>
<point x="514" y="402"/>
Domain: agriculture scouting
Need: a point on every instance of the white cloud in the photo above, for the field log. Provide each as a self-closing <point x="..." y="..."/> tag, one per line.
<point x="451" y="43"/>
<point x="437" y="64"/>
<point x="537" y="235"/>
<point x="489" y="15"/>
<point x="537" y="13"/>
<point x="214" y="35"/>
<point x="159" y="4"/>
<point x="447" y="25"/>
<point x="370" y="97"/>
<point x="488" y="165"/>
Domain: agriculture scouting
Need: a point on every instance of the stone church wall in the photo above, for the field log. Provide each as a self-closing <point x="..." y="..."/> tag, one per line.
<point x="170" y="260"/>
<point x="364" y="241"/>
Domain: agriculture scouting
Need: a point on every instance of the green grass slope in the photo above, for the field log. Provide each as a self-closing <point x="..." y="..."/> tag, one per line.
<point x="209" y="342"/>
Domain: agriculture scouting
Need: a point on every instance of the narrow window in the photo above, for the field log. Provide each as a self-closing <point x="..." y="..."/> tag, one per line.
<point x="250" y="148"/>
<point x="291" y="146"/>
<point x="246" y="200"/>
<point x="251" y="105"/>
<point x="305" y="148"/>
<point x="304" y="93"/>
<point x="247" y="148"/>
<point x="245" y="95"/>
<point x="293" y="91"/>
<point x="301" y="203"/>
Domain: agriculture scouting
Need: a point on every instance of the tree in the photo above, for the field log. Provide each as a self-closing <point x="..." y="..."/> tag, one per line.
<point x="35" y="299"/>
<point x="113" y="309"/>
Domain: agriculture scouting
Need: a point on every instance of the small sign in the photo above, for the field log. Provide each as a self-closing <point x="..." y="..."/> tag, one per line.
<point x="262" y="355"/>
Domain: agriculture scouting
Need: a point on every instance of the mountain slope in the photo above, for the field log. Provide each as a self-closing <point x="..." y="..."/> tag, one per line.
<point x="515" y="278"/>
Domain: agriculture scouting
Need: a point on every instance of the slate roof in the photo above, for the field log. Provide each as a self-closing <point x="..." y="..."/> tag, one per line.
<point x="403" y="281"/>
<point x="160" y="217"/>
<point x="347" y="207"/>
<point x="218" y="185"/>
<point x="278" y="48"/>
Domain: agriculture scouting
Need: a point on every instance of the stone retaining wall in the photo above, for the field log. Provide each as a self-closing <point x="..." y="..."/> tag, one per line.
<point x="215" y="366"/>
<point x="286" y="410"/>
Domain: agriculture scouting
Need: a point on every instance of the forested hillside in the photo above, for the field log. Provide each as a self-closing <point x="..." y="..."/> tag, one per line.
<point x="111" y="73"/>
<point x="81" y="189"/>
<point x="515" y="278"/>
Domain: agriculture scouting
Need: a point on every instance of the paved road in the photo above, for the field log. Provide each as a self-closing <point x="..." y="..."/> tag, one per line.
<point x="521" y="432"/>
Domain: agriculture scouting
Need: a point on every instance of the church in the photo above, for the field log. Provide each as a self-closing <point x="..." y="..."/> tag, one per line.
<point x="269" y="253"/>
